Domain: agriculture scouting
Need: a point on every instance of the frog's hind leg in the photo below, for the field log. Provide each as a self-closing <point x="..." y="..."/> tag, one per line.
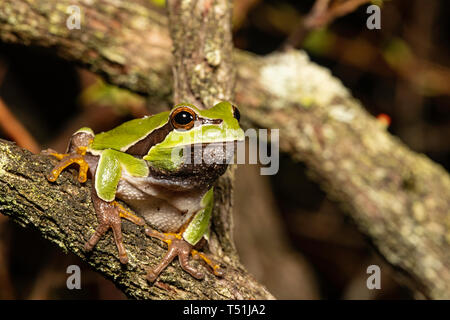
<point x="177" y="247"/>
<point x="109" y="215"/>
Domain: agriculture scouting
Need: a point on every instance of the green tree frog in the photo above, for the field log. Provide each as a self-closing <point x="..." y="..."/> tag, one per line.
<point x="152" y="165"/>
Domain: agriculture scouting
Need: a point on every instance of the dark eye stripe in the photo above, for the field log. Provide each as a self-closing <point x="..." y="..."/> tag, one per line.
<point x="236" y="113"/>
<point x="209" y="121"/>
<point x="142" y="147"/>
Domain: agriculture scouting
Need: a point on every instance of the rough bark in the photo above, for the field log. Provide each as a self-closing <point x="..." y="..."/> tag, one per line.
<point x="63" y="213"/>
<point x="122" y="40"/>
<point x="202" y="45"/>
<point x="399" y="198"/>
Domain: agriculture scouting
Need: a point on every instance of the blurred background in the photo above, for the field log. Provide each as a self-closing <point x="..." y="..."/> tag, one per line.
<point x="289" y="235"/>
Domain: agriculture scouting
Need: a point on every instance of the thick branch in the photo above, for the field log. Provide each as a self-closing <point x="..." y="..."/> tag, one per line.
<point x="63" y="213"/>
<point x="122" y="40"/>
<point x="399" y="198"/>
<point x="203" y="65"/>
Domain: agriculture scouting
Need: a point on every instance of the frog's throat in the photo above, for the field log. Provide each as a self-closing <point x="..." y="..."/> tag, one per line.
<point x="201" y="164"/>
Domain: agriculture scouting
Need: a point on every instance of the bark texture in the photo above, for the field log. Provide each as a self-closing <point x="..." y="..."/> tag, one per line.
<point x="399" y="198"/>
<point x="124" y="41"/>
<point x="63" y="213"/>
<point x="203" y="48"/>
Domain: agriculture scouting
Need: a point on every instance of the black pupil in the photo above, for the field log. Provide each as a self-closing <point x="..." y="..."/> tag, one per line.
<point x="236" y="114"/>
<point x="183" y="117"/>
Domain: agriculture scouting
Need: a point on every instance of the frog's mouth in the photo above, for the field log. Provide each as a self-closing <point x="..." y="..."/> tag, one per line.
<point x="221" y="153"/>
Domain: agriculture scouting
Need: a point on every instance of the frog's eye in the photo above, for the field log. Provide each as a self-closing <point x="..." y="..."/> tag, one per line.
<point x="236" y="113"/>
<point x="183" y="118"/>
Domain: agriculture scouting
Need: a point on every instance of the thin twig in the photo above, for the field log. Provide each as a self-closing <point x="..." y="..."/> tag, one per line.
<point x="321" y="14"/>
<point x="15" y="130"/>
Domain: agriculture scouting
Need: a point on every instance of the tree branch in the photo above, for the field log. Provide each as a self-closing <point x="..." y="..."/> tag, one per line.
<point x="399" y="198"/>
<point x="125" y="41"/>
<point x="63" y="213"/>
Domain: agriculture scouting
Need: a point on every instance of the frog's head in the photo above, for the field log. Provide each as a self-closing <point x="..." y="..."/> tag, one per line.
<point x="205" y="131"/>
<point x="215" y="125"/>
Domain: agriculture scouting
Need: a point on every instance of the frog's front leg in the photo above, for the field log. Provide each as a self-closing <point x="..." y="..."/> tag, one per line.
<point x="75" y="153"/>
<point x="109" y="212"/>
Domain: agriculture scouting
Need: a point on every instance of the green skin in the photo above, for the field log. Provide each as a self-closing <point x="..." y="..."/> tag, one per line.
<point x="141" y="162"/>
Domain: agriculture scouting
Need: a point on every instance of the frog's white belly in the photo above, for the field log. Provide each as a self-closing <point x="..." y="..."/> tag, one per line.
<point x="162" y="208"/>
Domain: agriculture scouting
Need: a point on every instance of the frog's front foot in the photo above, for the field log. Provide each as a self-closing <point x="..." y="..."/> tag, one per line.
<point x="66" y="159"/>
<point x="76" y="152"/>
<point x="181" y="248"/>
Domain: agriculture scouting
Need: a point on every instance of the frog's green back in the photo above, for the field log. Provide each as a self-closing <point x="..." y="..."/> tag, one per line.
<point x="128" y="133"/>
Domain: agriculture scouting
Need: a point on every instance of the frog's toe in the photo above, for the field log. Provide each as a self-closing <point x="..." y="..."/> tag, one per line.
<point x="65" y="161"/>
<point x="123" y="258"/>
<point x="184" y="251"/>
<point x="82" y="173"/>
<point x="48" y="152"/>
<point x="99" y="232"/>
<point x="215" y="268"/>
<point x="118" y="238"/>
<point x="151" y="275"/>
<point x="124" y="213"/>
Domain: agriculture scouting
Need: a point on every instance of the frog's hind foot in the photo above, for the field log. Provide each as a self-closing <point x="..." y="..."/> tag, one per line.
<point x="177" y="247"/>
<point x="181" y="248"/>
<point x="108" y="215"/>
<point x="215" y="268"/>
